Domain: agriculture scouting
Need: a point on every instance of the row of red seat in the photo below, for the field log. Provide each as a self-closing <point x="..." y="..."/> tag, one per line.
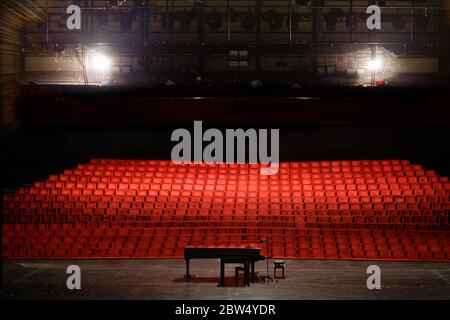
<point x="131" y="162"/>
<point x="119" y="209"/>
<point x="302" y="170"/>
<point x="332" y="210"/>
<point x="116" y="163"/>
<point x="175" y="250"/>
<point x="244" y="173"/>
<point x="220" y="202"/>
<point x="190" y="208"/>
<point x="237" y="191"/>
<point x="174" y="201"/>
<point x="154" y="174"/>
<point x="363" y="223"/>
<point x="276" y="233"/>
<point x="280" y="178"/>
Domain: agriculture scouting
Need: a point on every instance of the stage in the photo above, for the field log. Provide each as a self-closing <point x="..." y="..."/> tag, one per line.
<point x="163" y="279"/>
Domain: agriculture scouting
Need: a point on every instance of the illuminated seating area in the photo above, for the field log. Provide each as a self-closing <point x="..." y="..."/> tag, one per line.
<point x="386" y="209"/>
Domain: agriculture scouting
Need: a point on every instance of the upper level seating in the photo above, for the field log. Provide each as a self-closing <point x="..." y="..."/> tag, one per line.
<point x="387" y="209"/>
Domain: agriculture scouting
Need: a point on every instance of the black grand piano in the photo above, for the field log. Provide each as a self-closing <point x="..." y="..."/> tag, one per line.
<point x="246" y="256"/>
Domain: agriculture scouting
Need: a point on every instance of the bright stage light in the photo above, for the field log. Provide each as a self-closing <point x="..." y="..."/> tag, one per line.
<point x="100" y="62"/>
<point x="374" y="65"/>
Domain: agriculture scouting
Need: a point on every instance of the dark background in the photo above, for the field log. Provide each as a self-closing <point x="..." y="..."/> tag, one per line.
<point x="60" y="129"/>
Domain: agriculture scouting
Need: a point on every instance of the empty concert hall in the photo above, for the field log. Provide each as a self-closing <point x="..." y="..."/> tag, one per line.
<point x="225" y="158"/>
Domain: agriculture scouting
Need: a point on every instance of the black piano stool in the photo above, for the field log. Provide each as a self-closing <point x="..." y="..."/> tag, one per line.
<point x="279" y="264"/>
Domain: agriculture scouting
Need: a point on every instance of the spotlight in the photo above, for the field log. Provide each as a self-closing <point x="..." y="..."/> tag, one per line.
<point x="214" y="20"/>
<point x="185" y="19"/>
<point x="273" y="19"/>
<point x="374" y="65"/>
<point x="99" y="62"/>
<point x="249" y="20"/>
<point x="115" y="3"/>
<point x="140" y="3"/>
<point x="303" y="3"/>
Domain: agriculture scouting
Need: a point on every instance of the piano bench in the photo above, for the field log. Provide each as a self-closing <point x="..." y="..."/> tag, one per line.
<point x="279" y="264"/>
<point x="236" y="277"/>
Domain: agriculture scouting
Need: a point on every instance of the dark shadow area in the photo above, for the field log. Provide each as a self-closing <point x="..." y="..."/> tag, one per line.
<point x="34" y="152"/>
<point x="229" y="281"/>
<point x="77" y="105"/>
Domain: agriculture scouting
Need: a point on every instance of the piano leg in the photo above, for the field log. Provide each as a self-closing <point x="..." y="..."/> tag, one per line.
<point x="222" y="273"/>
<point x="253" y="276"/>
<point x="187" y="276"/>
<point x="247" y="273"/>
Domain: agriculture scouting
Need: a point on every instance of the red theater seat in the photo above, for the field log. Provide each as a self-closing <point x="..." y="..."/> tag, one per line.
<point x="387" y="209"/>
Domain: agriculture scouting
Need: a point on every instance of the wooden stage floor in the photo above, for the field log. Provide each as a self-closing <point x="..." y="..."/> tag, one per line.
<point x="163" y="279"/>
